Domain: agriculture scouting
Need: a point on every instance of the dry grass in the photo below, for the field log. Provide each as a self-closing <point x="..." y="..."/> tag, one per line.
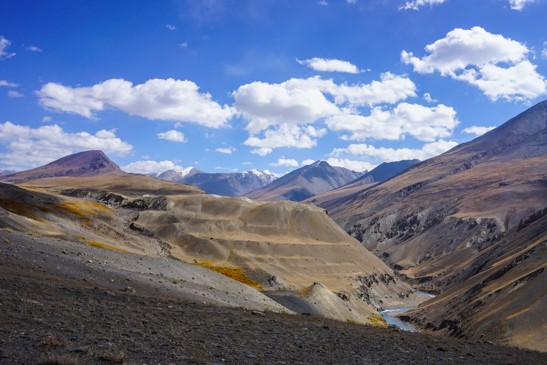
<point x="58" y="359"/>
<point x="52" y="340"/>
<point x="21" y="208"/>
<point x="112" y="357"/>
<point x="235" y="273"/>
<point x="84" y="210"/>
<point x="98" y="244"/>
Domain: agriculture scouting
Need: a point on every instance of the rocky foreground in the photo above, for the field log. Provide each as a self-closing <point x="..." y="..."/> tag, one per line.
<point x="47" y="317"/>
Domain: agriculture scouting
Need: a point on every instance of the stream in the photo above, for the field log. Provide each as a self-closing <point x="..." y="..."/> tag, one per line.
<point x="390" y="315"/>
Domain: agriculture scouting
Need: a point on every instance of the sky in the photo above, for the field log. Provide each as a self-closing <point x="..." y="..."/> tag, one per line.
<point x="234" y="85"/>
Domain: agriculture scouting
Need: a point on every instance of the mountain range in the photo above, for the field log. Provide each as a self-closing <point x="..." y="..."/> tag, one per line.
<point x="305" y="182"/>
<point x="443" y="217"/>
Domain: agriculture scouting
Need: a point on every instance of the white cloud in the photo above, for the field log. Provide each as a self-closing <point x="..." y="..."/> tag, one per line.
<point x="150" y="166"/>
<point x="285" y="162"/>
<point x="15" y="94"/>
<point x="4" y="45"/>
<point x="170" y="27"/>
<point x="384" y="154"/>
<point x="417" y="4"/>
<point x="226" y="150"/>
<point x="296" y="101"/>
<point x="427" y="97"/>
<point x="423" y="123"/>
<point x="8" y="84"/>
<point x="33" y="48"/>
<point x="495" y="64"/>
<point x="305" y="101"/>
<point x="285" y="135"/>
<point x="173" y="136"/>
<point x="329" y="65"/>
<point x="323" y="3"/>
<point x="307" y="162"/>
<point x="477" y="130"/>
<point x="354" y="165"/>
<point x="519" y="4"/>
<point x="544" y="51"/>
<point x="47" y="119"/>
<point x="156" y="99"/>
<point x="183" y="44"/>
<point x="351" y="2"/>
<point x="30" y="147"/>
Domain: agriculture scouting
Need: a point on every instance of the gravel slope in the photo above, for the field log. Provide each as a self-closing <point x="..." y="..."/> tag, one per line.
<point x="47" y="316"/>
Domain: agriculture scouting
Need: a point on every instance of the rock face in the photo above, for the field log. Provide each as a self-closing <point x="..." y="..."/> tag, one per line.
<point x="88" y="163"/>
<point x="443" y="212"/>
<point x="229" y="184"/>
<point x="500" y="293"/>
<point x="305" y="182"/>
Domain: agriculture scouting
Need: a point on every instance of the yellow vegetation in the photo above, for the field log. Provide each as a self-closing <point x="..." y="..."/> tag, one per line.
<point x="83" y="209"/>
<point x="98" y="244"/>
<point x="21" y="208"/>
<point x="377" y="321"/>
<point x="235" y="273"/>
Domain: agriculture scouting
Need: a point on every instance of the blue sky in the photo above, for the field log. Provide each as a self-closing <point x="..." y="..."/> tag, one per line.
<point x="231" y="85"/>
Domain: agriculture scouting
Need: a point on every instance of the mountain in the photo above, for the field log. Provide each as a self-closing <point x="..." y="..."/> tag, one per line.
<point x="87" y="163"/>
<point x="433" y="220"/>
<point x="381" y="173"/>
<point x="305" y="182"/>
<point x="175" y="175"/>
<point x="227" y="184"/>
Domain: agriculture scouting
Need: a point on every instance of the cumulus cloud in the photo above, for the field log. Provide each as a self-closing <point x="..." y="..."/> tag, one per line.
<point x="305" y="101"/>
<point x="307" y="162"/>
<point x="286" y="135"/>
<point x="427" y="97"/>
<point x="384" y="154"/>
<point x="156" y="99"/>
<point x="4" y="45"/>
<point x="285" y="162"/>
<point x="173" y="136"/>
<point x="30" y="147"/>
<point x="477" y="130"/>
<point x="496" y="65"/>
<point x="170" y="27"/>
<point x="354" y="165"/>
<point x="423" y="123"/>
<point x="519" y="4"/>
<point x="417" y="4"/>
<point x="15" y="94"/>
<point x="6" y="83"/>
<point x="329" y="65"/>
<point x="151" y="166"/>
<point x="226" y="150"/>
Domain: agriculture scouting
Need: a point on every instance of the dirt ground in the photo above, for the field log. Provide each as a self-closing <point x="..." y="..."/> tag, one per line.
<point x="49" y="318"/>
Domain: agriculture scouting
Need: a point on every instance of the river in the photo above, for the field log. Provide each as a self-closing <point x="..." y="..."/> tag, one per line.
<point x="390" y="315"/>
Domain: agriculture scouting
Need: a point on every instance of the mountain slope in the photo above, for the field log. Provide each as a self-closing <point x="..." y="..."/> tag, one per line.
<point x="229" y="184"/>
<point x="381" y="173"/>
<point x="305" y="182"/>
<point x="175" y="175"/>
<point x="500" y="294"/>
<point x="87" y="163"/>
<point x="443" y="212"/>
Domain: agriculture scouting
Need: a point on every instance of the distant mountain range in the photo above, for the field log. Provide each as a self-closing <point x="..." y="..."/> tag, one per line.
<point x="87" y="163"/>
<point x="305" y="182"/>
<point x="226" y="184"/>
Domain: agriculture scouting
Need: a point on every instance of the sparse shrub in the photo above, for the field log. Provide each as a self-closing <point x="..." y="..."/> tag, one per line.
<point x="57" y="359"/>
<point x="52" y="340"/>
<point x="112" y="357"/>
